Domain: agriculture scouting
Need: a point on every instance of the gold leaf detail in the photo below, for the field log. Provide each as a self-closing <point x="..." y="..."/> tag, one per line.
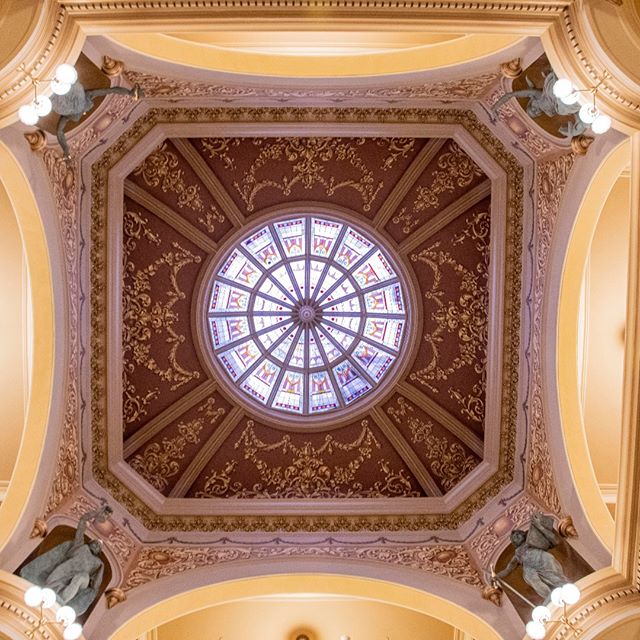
<point x="455" y="169"/>
<point x="159" y="461"/>
<point x="465" y="317"/>
<point x="448" y="460"/>
<point x="309" y="473"/>
<point x="311" y="161"/>
<point x="142" y="316"/>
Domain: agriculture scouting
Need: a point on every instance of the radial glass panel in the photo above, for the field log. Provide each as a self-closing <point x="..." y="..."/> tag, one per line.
<point x="307" y="315"/>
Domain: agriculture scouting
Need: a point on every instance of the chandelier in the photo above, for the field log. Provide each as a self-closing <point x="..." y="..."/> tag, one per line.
<point x="45" y="598"/>
<point x="541" y="616"/>
<point x="566" y="92"/>
<point x="41" y="104"/>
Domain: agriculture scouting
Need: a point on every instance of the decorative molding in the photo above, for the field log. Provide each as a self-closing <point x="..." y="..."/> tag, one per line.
<point x="111" y="67"/>
<point x="156" y="562"/>
<point x="551" y="177"/>
<point x="4" y="485"/>
<point x="39" y="529"/>
<point x="166" y="87"/>
<point x="114" y="596"/>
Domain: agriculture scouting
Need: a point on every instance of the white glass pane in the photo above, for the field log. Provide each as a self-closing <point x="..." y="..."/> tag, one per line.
<point x="332" y="352"/>
<point x="315" y="359"/>
<point x="299" y="269"/>
<point x="343" y="339"/>
<point x="261" y="380"/>
<point x="350" y="322"/>
<point x="315" y="272"/>
<point x="281" y="275"/>
<point x="281" y="351"/>
<point x="267" y="339"/>
<point x="374" y="361"/>
<point x="352" y="305"/>
<point x="291" y="233"/>
<point x="322" y="396"/>
<point x="323" y="236"/>
<point x="385" y="300"/>
<point x="297" y="357"/>
<point x="269" y="288"/>
<point x="240" y="269"/>
<point x="225" y="297"/>
<point x="383" y="331"/>
<point x="262" y="247"/>
<point x="289" y="395"/>
<point x="262" y="304"/>
<point x="352" y="248"/>
<point x="225" y="330"/>
<point x="238" y="359"/>
<point x="262" y="322"/>
<point x="350" y="382"/>
<point x="375" y="269"/>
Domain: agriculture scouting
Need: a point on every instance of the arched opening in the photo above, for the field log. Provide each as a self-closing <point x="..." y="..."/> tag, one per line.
<point x="308" y="586"/>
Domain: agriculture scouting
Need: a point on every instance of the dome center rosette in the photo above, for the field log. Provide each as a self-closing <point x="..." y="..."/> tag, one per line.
<point x="306" y="315"/>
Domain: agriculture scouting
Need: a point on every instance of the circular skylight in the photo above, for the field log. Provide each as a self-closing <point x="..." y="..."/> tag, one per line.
<point x="306" y="315"/>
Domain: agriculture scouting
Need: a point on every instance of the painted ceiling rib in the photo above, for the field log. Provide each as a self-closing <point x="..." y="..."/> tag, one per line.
<point x="407" y="181"/>
<point x="206" y="452"/>
<point x="173" y="412"/>
<point x="168" y="215"/>
<point x="451" y="423"/>
<point x="408" y="455"/>
<point x="210" y="181"/>
<point x="463" y="203"/>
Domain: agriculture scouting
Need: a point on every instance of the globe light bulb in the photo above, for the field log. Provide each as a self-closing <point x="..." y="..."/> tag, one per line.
<point x="562" y="88"/>
<point x="572" y="98"/>
<point x="72" y="632"/>
<point x="556" y="597"/>
<point x="60" y="88"/>
<point x="33" y="596"/>
<point x="66" y="615"/>
<point x="601" y="124"/>
<point x="541" y="614"/>
<point x="588" y="113"/>
<point x="535" y="630"/>
<point x="28" y="114"/>
<point x="66" y="73"/>
<point x="42" y="105"/>
<point x="570" y="593"/>
<point x="48" y="598"/>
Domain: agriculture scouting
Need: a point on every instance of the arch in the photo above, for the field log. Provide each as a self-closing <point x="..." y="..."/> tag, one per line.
<point x="36" y="251"/>
<point x="566" y="357"/>
<point x="348" y="586"/>
<point x="236" y="59"/>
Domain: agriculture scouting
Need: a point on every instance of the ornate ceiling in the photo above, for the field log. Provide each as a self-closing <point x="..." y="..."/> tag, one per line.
<point x="438" y="433"/>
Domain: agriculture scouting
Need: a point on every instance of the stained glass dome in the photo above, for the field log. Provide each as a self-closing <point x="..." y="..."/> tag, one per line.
<point x="307" y="315"/>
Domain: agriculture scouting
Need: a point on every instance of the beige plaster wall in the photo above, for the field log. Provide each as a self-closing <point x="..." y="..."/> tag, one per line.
<point x="12" y="370"/>
<point x="605" y="307"/>
<point x="281" y="619"/>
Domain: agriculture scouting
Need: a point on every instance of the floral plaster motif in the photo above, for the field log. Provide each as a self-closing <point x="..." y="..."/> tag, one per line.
<point x="551" y="178"/>
<point x="158" y="86"/>
<point x="155" y="562"/>
<point x="329" y="470"/>
<point x="463" y="315"/>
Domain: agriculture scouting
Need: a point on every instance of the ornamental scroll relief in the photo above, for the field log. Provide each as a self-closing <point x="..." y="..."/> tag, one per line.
<point x="455" y="169"/>
<point x="466" y="317"/>
<point x="143" y="317"/>
<point x="153" y="562"/>
<point x="309" y="471"/>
